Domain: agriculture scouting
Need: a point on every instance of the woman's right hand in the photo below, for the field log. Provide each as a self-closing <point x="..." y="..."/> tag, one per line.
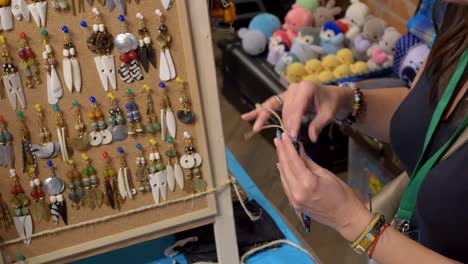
<point x="325" y="102"/>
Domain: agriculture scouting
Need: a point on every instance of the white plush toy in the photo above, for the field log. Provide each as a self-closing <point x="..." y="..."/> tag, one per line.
<point x="355" y="18"/>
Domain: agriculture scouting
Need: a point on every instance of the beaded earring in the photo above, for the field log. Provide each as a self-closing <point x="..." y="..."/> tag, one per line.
<point x="28" y="63"/>
<point x="146" y="53"/>
<point x="167" y="69"/>
<point x="54" y="86"/>
<point x="116" y="120"/>
<point x="7" y="154"/>
<point x="28" y="159"/>
<point x="100" y="43"/>
<point x="54" y="187"/>
<point x="70" y="65"/>
<point x="38" y="10"/>
<point x="168" y="121"/>
<point x="39" y="207"/>
<point x="127" y="43"/>
<point x="61" y="132"/>
<point x="158" y="174"/>
<point x="46" y="149"/>
<point x="81" y="140"/>
<point x="142" y="171"/>
<point x="126" y="188"/>
<point x="111" y="183"/>
<point x="174" y="171"/>
<point x="185" y="113"/>
<point x="191" y="162"/>
<point x="5" y="216"/>
<point x="20" y="202"/>
<point x="93" y="195"/>
<point x="99" y="134"/>
<point x="11" y="78"/>
<point x="75" y="184"/>
<point x="133" y="115"/>
<point x="153" y="125"/>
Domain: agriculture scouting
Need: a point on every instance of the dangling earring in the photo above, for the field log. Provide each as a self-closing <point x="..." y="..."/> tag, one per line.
<point x="116" y="120"/>
<point x="93" y="195"/>
<point x="167" y="4"/>
<point x="191" y="162"/>
<point x="81" y="140"/>
<point x="75" y="184"/>
<point x="11" y="78"/>
<point x="39" y="208"/>
<point x="146" y="53"/>
<point x="120" y="4"/>
<point x="20" y="10"/>
<point x="185" y="114"/>
<point x="71" y="66"/>
<point x="61" y="132"/>
<point x="22" y="217"/>
<point x="111" y="183"/>
<point x="153" y="125"/>
<point x="54" y="187"/>
<point x="158" y="174"/>
<point x="5" y="216"/>
<point x="38" y="11"/>
<point x="126" y="188"/>
<point x="100" y="42"/>
<point x="54" y="87"/>
<point x="59" y="5"/>
<point x="28" y="63"/>
<point x="142" y="171"/>
<point x="127" y="43"/>
<point x="99" y="134"/>
<point x="168" y="121"/>
<point x="28" y="159"/>
<point x="133" y="115"/>
<point x="46" y="149"/>
<point x="7" y="154"/>
<point x="6" y="21"/>
<point x="166" y="64"/>
<point x="174" y="171"/>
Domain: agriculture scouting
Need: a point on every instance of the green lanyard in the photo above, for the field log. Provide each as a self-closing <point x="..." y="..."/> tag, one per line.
<point x="408" y="201"/>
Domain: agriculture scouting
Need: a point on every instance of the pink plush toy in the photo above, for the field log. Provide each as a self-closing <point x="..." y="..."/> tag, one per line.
<point x="296" y="19"/>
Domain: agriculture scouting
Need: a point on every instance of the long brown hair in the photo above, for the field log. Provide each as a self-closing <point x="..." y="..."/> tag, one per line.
<point x="452" y="40"/>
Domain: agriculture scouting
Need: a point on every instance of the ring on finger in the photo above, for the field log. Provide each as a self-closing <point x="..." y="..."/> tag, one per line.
<point x="280" y="101"/>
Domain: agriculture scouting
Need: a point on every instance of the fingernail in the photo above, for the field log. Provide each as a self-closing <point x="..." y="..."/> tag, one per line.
<point x="278" y="166"/>
<point x="275" y="141"/>
<point x="284" y="136"/>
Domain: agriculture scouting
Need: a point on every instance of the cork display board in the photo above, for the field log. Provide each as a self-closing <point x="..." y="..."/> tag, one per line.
<point x="128" y="229"/>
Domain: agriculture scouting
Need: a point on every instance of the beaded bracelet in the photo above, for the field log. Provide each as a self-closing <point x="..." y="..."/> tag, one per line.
<point x="382" y="230"/>
<point x="358" y="105"/>
<point x="365" y="240"/>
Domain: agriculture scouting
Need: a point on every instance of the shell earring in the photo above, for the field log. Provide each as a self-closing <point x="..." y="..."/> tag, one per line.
<point x="11" y="78"/>
<point x="191" y="162"/>
<point x="168" y="121"/>
<point x="38" y="10"/>
<point x="116" y="120"/>
<point x="99" y="134"/>
<point x="185" y="114"/>
<point x="167" y="69"/>
<point x="71" y="66"/>
<point x="54" y="187"/>
<point x="127" y="43"/>
<point x="46" y="149"/>
<point x="54" y="87"/>
<point x="158" y="174"/>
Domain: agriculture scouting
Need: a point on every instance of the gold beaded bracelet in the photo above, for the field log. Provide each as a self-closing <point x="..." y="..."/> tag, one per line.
<point x="365" y="240"/>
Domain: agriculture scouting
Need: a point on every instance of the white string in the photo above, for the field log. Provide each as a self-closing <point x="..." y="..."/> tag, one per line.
<point x="253" y="217"/>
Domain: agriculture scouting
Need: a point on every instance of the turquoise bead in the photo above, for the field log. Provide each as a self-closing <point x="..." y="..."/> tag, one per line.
<point x="170" y="140"/>
<point x="43" y="32"/>
<point x="75" y="103"/>
<point x="20" y="114"/>
<point x="128" y="91"/>
<point x="56" y="107"/>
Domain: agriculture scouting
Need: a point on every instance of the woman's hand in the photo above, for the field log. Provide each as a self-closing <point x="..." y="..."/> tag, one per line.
<point x="319" y="193"/>
<point x="325" y="102"/>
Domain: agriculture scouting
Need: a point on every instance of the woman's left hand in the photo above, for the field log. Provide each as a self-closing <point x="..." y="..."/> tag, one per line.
<point x="319" y="193"/>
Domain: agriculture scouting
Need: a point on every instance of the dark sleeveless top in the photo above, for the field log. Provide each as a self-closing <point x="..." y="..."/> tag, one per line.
<point x="441" y="215"/>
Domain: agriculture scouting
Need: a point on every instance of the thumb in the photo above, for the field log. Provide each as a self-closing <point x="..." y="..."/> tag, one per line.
<point x="321" y="120"/>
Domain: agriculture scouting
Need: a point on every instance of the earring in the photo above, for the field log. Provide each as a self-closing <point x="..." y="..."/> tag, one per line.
<point x="11" y="78"/>
<point x="61" y="132"/>
<point x="120" y="4"/>
<point x="116" y="120"/>
<point x="71" y="66"/>
<point x="6" y="16"/>
<point x="28" y="63"/>
<point x="54" y="187"/>
<point x="38" y="10"/>
<point x="174" y="171"/>
<point x="59" y="5"/>
<point x="7" y="154"/>
<point x="168" y="121"/>
<point x="22" y="217"/>
<point x="185" y="114"/>
<point x="146" y="53"/>
<point x="28" y="159"/>
<point x="100" y="42"/>
<point x="54" y="87"/>
<point x="191" y="162"/>
<point x="153" y="125"/>
<point x="142" y="170"/>
<point x="111" y="183"/>
<point x="46" y="149"/>
<point x="5" y="216"/>
<point x="166" y="64"/>
<point x="158" y="174"/>
<point x="167" y="4"/>
<point x="133" y="115"/>
<point x="99" y="134"/>
<point x="20" y="10"/>
<point x="75" y="184"/>
<point x="39" y="208"/>
<point x="93" y="195"/>
<point x="126" y="188"/>
<point x="127" y="43"/>
<point x="81" y="140"/>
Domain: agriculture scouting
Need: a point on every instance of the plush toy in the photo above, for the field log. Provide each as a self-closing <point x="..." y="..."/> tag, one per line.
<point x="295" y="72"/>
<point x="342" y="71"/>
<point x="306" y="45"/>
<point x="355" y="17"/>
<point x="345" y="56"/>
<point x="261" y="28"/>
<point x="287" y="59"/>
<point x="381" y="55"/>
<point x="296" y="19"/>
<point x="331" y="37"/>
<point x="314" y="66"/>
<point x="313" y="78"/>
<point x="279" y="36"/>
<point x="372" y="32"/>
<point x="326" y="76"/>
<point x="330" y="62"/>
<point x="309" y="5"/>
<point x="326" y="13"/>
<point x="276" y="52"/>
<point x="359" y="67"/>
<point x="410" y="54"/>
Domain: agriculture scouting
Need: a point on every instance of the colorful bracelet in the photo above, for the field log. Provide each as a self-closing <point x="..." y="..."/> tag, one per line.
<point x="382" y="230"/>
<point x="365" y="240"/>
<point x="358" y="105"/>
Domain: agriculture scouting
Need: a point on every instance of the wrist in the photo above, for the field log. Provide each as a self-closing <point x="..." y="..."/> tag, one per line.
<point x="354" y="225"/>
<point x="345" y="103"/>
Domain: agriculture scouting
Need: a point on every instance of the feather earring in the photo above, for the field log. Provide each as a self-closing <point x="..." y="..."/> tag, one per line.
<point x="113" y="197"/>
<point x="39" y="207"/>
<point x="27" y="156"/>
<point x="166" y="66"/>
<point x="93" y="196"/>
<point x="71" y="66"/>
<point x="28" y="63"/>
<point x="146" y="53"/>
<point x="20" y="202"/>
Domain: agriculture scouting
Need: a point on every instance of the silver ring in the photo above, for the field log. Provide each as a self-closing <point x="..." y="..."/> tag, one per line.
<point x="280" y="101"/>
